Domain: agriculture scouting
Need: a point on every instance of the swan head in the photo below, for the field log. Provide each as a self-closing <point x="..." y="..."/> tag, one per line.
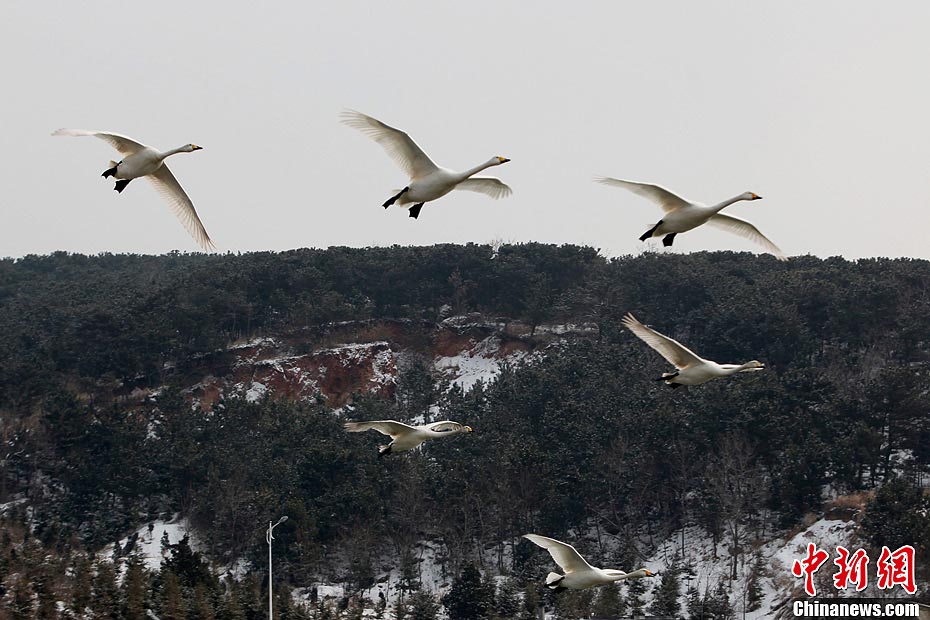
<point x="467" y="429"/>
<point x="755" y="364"/>
<point x="750" y="196"/>
<point x="190" y="148"/>
<point x="498" y="160"/>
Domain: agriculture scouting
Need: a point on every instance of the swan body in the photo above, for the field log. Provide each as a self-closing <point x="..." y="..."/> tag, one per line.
<point x="427" y="180"/>
<point x="140" y="160"/>
<point x="578" y="573"/>
<point x="690" y="368"/>
<point x="406" y="437"/>
<point x="683" y="215"/>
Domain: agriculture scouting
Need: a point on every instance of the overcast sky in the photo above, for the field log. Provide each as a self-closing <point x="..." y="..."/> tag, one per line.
<point x="821" y="108"/>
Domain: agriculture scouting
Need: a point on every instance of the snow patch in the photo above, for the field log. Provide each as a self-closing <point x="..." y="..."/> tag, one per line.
<point x="480" y="363"/>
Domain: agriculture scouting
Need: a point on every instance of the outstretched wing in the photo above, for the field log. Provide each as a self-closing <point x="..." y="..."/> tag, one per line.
<point x="401" y="147"/>
<point x="181" y="204"/>
<point x="495" y="188"/>
<point x="391" y="428"/>
<point x="745" y="230"/>
<point x="123" y="144"/>
<point x="564" y="554"/>
<point x="444" y="426"/>
<point x="677" y="354"/>
<point x="667" y="200"/>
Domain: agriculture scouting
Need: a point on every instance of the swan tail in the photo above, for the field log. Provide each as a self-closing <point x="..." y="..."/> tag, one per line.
<point x="121" y="185"/>
<point x="553" y="580"/>
<point x="415" y="210"/>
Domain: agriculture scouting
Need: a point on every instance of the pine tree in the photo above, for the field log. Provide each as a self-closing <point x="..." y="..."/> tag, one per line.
<point x="172" y="606"/>
<point x="609" y="602"/>
<point x="201" y="607"/>
<point x="635" y="588"/>
<point x="422" y="606"/>
<point x="105" y="601"/>
<point x="754" y="591"/>
<point x="22" y="606"/>
<point x="506" y="603"/>
<point x="81" y="585"/>
<point x="469" y="597"/>
<point x="134" y="587"/>
<point x="666" y="602"/>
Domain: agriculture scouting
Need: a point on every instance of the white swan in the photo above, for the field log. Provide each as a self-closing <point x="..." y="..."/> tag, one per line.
<point x="691" y="369"/>
<point x="427" y="180"/>
<point x="140" y="160"/>
<point x="682" y="215"/>
<point x="406" y="437"/>
<point x="578" y="573"/>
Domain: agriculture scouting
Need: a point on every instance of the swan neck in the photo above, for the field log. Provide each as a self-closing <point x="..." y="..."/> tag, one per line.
<point x="180" y="149"/>
<point x="478" y="168"/>
<point x="726" y="203"/>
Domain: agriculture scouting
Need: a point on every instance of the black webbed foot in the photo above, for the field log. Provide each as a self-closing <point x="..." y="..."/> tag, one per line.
<point x="121" y="185"/>
<point x="649" y="232"/>
<point x="668" y="239"/>
<point x="415" y="210"/>
<point x="395" y="198"/>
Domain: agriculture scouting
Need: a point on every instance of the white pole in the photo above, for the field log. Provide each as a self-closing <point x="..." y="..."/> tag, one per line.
<point x="269" y="538"/>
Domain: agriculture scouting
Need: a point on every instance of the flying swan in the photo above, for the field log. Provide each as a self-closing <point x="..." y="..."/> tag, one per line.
<point x="690" y="369"/>
<point x="682" y="215"/>
<point x="404" y="436"/>
<point x="427" y="180"/>
<point x="578" y="573"/>
<point x="140" y="160"/>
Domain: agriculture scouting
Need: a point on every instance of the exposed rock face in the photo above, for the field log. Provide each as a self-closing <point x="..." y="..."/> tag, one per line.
<point x="357" y="357"/>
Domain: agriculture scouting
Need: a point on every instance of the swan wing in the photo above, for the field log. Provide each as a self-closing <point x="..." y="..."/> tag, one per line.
<point x="746" y="230"/>
<point x="171" y="190"/>
<point x="676" y="353"/>
<point x="444" y="426"/>
<point x="495" y="188"/>
<point x="123" y="144"/>
<point x="400" y="146"/>
<point x="666" y="199"/>
<point x="564" y="554"/>
<point x="391" y="428"/>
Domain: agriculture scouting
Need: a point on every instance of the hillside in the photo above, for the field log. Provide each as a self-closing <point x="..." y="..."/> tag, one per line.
<point x="206" y="394"/>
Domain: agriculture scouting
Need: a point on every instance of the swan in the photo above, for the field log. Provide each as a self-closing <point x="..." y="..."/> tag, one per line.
<point x="140" y="160"/>
<point x="578" y="573"/>
<point x="427" y="180"/>
<point x="690" y="369"/>
<point x="682" y="215"/>
<point x="406" y="437"/>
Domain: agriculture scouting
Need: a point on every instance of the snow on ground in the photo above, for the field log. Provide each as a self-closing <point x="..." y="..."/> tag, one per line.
<point x="148" y="540"/>
<point x="480" y="363"/>
<point x="256" y="392"/>
<point x="778" y="555"/>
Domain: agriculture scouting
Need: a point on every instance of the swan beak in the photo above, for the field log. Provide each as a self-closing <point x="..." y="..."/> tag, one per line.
<point x="198" y="148"/>
<point x="503" y="160"/>
<point x="649" y="573"/>
<point x="756" y="197"/>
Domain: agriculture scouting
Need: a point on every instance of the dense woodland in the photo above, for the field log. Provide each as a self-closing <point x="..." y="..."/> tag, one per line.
<point x="580" y="441"/>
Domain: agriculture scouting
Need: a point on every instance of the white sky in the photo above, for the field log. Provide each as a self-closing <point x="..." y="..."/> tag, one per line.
<point x="821" y="108"/>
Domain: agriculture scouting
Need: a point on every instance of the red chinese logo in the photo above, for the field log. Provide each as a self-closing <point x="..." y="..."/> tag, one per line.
<point x="808" y="566"/>
<point x="894" y="568"/>
<point x="851" y="569"/>
<point x="897" y="568"/>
